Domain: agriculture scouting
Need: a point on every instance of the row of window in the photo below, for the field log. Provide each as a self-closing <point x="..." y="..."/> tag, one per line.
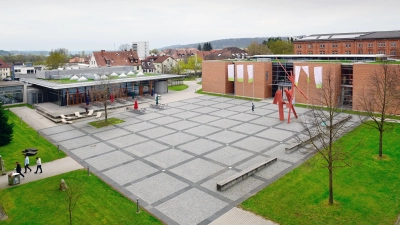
<point x="348" y="45"/>
<point x="370" y="52"/>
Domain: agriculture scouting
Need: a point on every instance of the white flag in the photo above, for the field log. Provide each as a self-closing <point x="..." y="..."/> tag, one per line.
<point x="305" y="68"/>
<point x="239" y="70"/>
<point x="318" y="76"/>
<point x="297" y="74"/>
<point x="231" y="72"/>
<point x="250" y="73"/>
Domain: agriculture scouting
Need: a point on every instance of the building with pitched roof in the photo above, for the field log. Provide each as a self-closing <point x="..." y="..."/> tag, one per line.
<point x="5" y="70"/>
<point x="115" y="58"/>
<point x="162" y="64"/>
<point x="227" y="54"/>
<point x="373" y="42"/>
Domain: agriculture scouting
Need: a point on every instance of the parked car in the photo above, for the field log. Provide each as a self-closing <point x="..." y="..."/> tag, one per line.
<point x="7" y="79"/>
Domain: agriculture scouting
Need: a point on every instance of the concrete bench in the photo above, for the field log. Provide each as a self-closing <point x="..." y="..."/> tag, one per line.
<point x="228" y="182"/>
<point x="339" y="121"/>
<point x="293" y="147"/>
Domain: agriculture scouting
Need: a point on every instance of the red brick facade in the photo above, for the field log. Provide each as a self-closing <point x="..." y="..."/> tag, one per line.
<point x="215" y="79"/>
<point x="377" y="46"/>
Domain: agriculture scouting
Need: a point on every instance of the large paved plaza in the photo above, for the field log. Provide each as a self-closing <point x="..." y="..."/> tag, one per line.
<point x="172" y="159"/>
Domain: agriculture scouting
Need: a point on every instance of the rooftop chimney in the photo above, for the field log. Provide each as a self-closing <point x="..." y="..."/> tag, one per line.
<point x="102" y="51"/>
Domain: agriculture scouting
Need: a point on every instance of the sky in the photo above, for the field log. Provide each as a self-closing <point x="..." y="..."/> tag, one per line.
<point x="102" y="24"/>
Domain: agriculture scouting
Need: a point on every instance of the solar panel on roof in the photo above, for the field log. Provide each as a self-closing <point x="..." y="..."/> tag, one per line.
<point x="309" y="38"/>
<point x="346" y="36"/>
<point x="324" y="37"/>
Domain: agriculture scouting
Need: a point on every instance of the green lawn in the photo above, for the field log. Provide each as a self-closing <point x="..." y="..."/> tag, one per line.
<point x="180" y="87"/>
<point x="25" y="136"/>
<point x="42" y="202"/>
<point x="200" y="91"/>
<point x="103" y="123"/>
<point x="368" y="192"/>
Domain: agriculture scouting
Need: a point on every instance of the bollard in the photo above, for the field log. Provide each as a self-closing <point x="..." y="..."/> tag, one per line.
<point x="137" y="205"/>
<point x="88" y="171"/>
<point x="58" y="147"/>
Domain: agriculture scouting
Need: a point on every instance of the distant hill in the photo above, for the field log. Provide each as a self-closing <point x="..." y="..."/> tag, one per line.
<point x="223" y="43"/>
<point x="2" y="52"/>
<point x="16" y="52"/>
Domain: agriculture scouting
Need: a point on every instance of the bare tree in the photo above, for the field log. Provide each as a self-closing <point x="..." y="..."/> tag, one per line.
<point x="124" y="47"/>
<point x="102" y="92"/>
<point x="381" y="97"/>
<point x="323" y="129"/>
<point x="72" y="195"/>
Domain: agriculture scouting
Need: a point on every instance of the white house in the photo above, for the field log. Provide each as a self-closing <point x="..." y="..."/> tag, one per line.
<point x="5" y="70"/>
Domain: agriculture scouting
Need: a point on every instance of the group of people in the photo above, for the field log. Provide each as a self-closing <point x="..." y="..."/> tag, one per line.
<point x="26" y="164"/>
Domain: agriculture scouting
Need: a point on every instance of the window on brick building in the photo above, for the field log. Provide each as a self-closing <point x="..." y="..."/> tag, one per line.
<point x="310" y="52"/>
<point x="360" y="45"/>
<point x="360" y="52"/>
<point x="309" y="45"/>
<point x="381" y="52"/>
<point x="322" y="52"/>
<point x="348" y="52"/>
<point x="393" y="52"/>
<point x="334" y="52"/>
<point x="322" y="46"/>
<point x="393" y="44"/>
<point x="334" y="45"/>
<point x="370" y="52"/>
<point x="348" y="45"/>
<point x="381" y="44"/>
<point x="298" y="46"/>
<point x="370" y="45"/>
<point x="298" y="53"/>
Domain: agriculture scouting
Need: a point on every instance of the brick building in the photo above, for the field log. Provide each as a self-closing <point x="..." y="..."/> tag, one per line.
<point x="377" y="42"/>
<point x="269" y="76"/>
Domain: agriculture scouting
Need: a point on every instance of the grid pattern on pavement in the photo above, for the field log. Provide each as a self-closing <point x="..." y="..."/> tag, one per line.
<point x="173" y="158"/>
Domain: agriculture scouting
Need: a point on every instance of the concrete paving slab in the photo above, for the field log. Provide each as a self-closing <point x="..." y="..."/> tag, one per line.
<point x="168" y="158"/>
<point x="200" y="146"/>
<point x="66" y="135"/>
<point x="177" y="138"/>
<point x="240" y="108"/>
<point x="164" y="120"/>
<point x="223" y="113"/>
<point x="92" y="150"/>
<point x="146" y="148"/>
<point x="156" y="132"/>
<point x="204" y="118"/>
<point x="186" y="115"/>
<point x="199" y="206"/>
<point x="108" y="160"/>
<point x="228" y="155"/>
<point x="182" y="125"/>
<point x="225" y="123"/>
<point x="135" y="169"/>
<point x="138" y="126"/>
<point x="223" y="105"/>
<point x="56" y="129"/>
<point x="127" y="140"/>
<point x="111" y="134"/>
<point x="275" y="134"/>
<point x="237" y="216"/>
<point x="226" y="136"/>
<point x="255" y="144"/>
<point x="247" y="128"/>
<point x="154" y="188"/>
<point x="190" y="107"/>
<point x="196" y="169"/>
<point x="202" y="130"/>
<point x="78" y="142"/>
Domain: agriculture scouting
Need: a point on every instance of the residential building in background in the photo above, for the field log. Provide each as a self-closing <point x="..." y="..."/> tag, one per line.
<point x="162" y="64"/>
<point x="374" y="42"/>
<point x="227" y="53"/>
<point x="142" y="48"/>
<point x="5" y="70"/>
<point x="115" y="58"/>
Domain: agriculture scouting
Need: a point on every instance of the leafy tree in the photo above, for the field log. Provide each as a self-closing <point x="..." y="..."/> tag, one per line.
<point x="278" y="46"/>
<point x="199" y="47"/>
<point x="6" y="129"/>
<point x="73" y="194"/>
<point x="193" y="63"/>
<point x="207" y="46"/>
<point x="154" y="51"/>
<point x="57" y="58"/>
<point x="381" y="97"/>
<point x="179" y="67"/>
<point x="83" y="55"/>
<point x="264" y="42"/>
<point x="102" y="93"/>
<point x="258" y="49"/>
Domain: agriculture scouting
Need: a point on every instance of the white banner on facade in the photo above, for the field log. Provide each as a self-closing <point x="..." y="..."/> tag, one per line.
<point x="318" y="76"/>
<point x="239" y="69"/>
<point x="231" y="72"/>
<point x="250" y="73"/>
<point x="305" y="68"/>
<point x="297" y="74"/>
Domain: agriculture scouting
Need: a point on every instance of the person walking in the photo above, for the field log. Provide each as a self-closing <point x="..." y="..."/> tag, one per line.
<point x="27" y="164"/>
<point x="252" y="107"/>
<point x="38" y="164"/>
<point x="19" y="169"/>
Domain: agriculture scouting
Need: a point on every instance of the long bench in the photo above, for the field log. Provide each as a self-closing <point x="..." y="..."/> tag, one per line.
<point x="293" y="147"/>
<point x="228" y="182"/>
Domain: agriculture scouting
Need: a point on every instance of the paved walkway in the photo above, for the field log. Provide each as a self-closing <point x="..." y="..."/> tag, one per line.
<point x="32" y="118"/>
<point x="237" y="216"/>
<point x="50" y="169"/>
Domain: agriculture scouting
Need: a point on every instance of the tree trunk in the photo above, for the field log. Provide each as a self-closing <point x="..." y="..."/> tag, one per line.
<point x="70" y="217"/>
<point x="330" y="184"/>
<point x="380" y="142"/>
<point x="105" y="111"/>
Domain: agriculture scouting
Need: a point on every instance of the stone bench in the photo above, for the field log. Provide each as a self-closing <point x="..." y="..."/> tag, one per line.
<point x="339" y="121"/>
<point x="228" y="182"/>
<point x="293" y="147"/>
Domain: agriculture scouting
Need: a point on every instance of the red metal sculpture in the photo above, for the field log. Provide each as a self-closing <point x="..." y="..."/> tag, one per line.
<point x="289" y="95"/>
